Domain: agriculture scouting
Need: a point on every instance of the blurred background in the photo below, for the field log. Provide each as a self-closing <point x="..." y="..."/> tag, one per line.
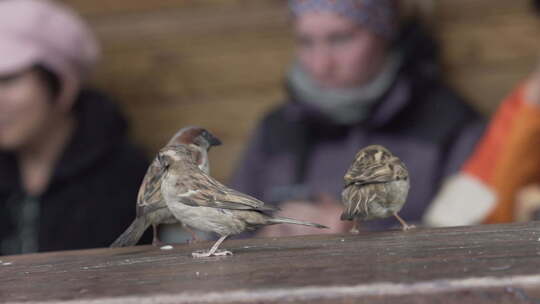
<point x="219" y="63"/>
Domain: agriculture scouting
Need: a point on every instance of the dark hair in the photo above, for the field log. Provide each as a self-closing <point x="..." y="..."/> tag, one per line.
<point x="536" y="6"/>
<point x="51" y="80"/>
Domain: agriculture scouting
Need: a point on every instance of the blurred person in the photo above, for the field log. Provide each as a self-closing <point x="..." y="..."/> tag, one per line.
<point x="68" y="173"/>
<point x="361" y="77"/>
<point x="500" y="182"/>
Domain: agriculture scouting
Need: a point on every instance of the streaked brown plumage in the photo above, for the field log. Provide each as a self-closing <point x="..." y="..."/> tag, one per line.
<point x="201" y="202"/>
<point x="151" y="208"/>
<point x="376" y="186"/>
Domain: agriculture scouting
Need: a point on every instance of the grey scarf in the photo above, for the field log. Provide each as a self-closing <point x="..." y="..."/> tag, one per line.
<point x="348" y="105"/>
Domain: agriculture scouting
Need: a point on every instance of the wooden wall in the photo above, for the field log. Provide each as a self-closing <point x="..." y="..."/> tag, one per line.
<point x="170" y="63"/>
<point x="219" y="63"/>
<point x="488" y="46"/>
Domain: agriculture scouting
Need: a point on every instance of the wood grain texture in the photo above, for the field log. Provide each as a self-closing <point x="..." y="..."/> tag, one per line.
<point x="488" y="47"/>
<point x="218" y="64"/>
<point x="498" y="263"/>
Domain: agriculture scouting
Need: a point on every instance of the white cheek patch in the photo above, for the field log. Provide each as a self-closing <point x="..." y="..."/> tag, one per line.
<point x="189" y="193"/>
<point x="172" y="154"/>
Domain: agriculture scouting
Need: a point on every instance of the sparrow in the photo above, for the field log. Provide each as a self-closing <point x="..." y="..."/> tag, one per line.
<point x="201" y="202"/>
<point x="151" y="208"/>
<point x="376" y="186"/>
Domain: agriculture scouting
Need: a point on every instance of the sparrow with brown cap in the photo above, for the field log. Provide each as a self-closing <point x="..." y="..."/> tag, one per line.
<point x="151" y="207"/>
<point x="201" y="202"/>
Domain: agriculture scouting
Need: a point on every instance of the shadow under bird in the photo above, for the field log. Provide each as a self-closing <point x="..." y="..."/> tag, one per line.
<point x="151" y="207"/>
<point x="376" y="186"/>
<point x="201" y="202"/>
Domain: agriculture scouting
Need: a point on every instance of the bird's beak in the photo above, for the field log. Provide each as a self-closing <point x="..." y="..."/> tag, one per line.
<point x="212" y="140"/>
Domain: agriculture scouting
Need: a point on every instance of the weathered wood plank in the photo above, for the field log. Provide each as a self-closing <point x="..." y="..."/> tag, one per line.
<point x="500" y="263"/>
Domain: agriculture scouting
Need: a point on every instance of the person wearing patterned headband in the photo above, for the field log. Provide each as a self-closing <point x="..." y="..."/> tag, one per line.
<point x="361" y="76"/>
<point x="68" y="173"/>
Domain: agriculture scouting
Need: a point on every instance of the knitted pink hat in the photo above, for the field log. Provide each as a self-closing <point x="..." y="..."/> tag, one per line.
<point x="46" y="33"/>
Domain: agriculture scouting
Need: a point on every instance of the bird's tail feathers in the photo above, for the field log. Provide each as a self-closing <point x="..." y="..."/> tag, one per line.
<point x="133" y="233"/>
<point x="286" y="220"/>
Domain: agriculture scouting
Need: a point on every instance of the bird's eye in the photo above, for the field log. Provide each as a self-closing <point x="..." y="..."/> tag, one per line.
<point x="162" y="161"/>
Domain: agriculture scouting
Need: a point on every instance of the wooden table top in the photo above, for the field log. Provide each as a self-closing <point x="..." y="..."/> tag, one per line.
<point x="479" y="264"/>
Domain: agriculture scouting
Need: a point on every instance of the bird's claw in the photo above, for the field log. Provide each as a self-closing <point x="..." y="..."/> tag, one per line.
<point x="354" y="230"/>
<point x="223" y="253"/>
<point x="205" y="254"/>
<point x="408" y="227"/>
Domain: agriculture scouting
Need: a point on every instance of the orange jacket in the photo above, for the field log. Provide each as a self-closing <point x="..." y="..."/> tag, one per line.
<point x="508" y="156"/>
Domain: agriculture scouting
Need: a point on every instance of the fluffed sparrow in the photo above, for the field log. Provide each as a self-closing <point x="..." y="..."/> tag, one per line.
<point x="376" y="186"/>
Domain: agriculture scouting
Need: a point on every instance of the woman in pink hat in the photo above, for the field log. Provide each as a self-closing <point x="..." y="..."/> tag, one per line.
<point x="68" y="174"/>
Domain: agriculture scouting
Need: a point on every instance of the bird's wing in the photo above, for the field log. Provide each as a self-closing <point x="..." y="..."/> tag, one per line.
<point x="374" y="173"/>
<point x="201" y="189"/>
<point x="149" y="196"/>
<point x="375" y="164"/>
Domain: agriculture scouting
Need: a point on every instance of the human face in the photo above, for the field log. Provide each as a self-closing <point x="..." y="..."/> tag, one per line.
<point x="25" y="109"/>
<point x="335" y="51"/>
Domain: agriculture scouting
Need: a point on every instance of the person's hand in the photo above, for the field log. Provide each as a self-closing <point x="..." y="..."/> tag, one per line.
<point x="326" y="211"/>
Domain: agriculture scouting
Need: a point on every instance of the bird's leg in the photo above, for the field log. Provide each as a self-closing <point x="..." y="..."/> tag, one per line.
<point x="404" y="225"/>
<point x="155" y="239"/>
<point x="194" y="237"/>
<point x="213" y="251"/>
<point x="354" y="229"/>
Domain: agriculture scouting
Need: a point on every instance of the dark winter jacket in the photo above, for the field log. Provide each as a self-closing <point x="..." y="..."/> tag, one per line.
<point x="296" y="152"/>
<point x="91" y="197"/>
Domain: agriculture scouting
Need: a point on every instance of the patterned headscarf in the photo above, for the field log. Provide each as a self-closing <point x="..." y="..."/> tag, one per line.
<point x="379" y="16"/>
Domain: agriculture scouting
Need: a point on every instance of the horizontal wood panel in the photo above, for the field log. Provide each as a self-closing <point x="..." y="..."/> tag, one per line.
<point x="488" y="47"/>
<point x="493" y="42"/>
<point x="230" y="118"/>
<point x="486" y="90"/>
<point x="163" y="79"/>
<point x="469" y="10"/>
<point x="218" y="64"/>
<point x="103" y="7"/>
<point x="189" y="23"/>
